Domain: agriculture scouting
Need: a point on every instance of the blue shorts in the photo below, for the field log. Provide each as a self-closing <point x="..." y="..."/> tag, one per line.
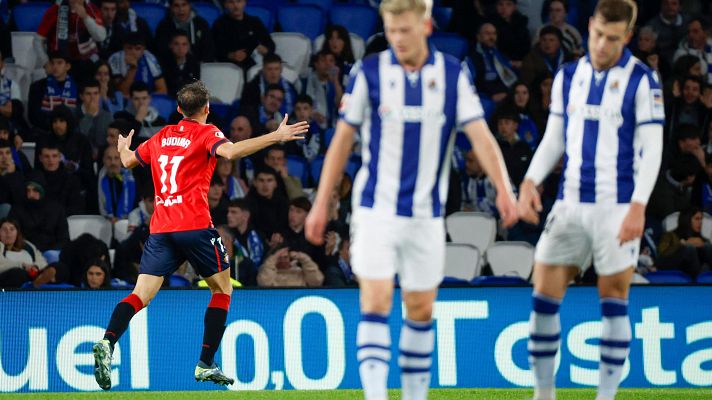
<point x="202" y="248"/>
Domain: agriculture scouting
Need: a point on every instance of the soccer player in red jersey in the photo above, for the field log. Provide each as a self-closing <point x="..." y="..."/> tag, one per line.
<point x="182" y="158"/>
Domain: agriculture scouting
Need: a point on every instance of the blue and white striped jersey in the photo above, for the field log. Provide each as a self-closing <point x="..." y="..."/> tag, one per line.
<point x="407" y="123"/>
<point x="601" y="111"/>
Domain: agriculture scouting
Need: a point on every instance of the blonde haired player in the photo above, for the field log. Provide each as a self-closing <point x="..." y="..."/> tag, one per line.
<point x="406" y="102"/>
<point x="606" y="120"/>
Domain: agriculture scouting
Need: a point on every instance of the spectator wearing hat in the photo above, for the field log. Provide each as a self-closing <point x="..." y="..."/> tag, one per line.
<point x="546" y="57"/>
<point x="237" y="35"/>
<point x="92" y="120"/>
<point x="182" y="18"/>
<point x="62" y="186"/>
<point x="42" y="221"/>
<point x="271" y="74"/>
<point x="516" y="153"/>
<point x="73" y="27"/>
<point x="180" y="66"/>
<point x="56" y="89"/>
<point x="76" y="152"/>
<point x="136" y="64"/>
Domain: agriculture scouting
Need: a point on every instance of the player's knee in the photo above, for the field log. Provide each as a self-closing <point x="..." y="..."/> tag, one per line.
<point x="419" y="309"/>
<point x="377" y="304"/>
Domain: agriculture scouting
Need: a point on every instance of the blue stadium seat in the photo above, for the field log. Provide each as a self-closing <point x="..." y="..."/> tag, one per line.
<point x="668" y="276"/>
<point x="328" y="137"/>
<point x="361" y="20"/>
<point x="450" y="43"/>
<point x="207" y="10"/>
<point x="298" y="167"/>
<point x="265" y="15"/>
<point x="315" y="167"/>
<point x="442" y="16"/>
<point x="499" y="281"/>
<point x="705" y="277"/>
<point x="271" y="5"/>
<point x="152" y="13"/>
<point x="488" y="105"/>
<point x="178" y="281"/>
<point x="307" y="20"/>
<point x="164" y="104"/>
<point x="27" y="16"/>
<point x="226" y="112"/>
<point x="323" y="4"/>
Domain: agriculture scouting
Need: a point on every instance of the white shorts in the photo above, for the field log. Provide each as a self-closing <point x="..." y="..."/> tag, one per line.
<point x="414" y="248"/>
<point x="576" y="233"/>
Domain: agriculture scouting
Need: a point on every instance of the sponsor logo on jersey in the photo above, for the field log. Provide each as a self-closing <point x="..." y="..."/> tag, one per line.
<point x="175" y="141"/>
<point x="169" y="201"/>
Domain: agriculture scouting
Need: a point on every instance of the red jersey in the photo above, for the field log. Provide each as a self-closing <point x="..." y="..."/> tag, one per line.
<point x="182" y="159"/>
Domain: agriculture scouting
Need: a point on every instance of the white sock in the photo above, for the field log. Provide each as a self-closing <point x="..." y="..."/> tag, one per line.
<point x="544" y="341"/>
<point x="373" y="339"/>
<point x="615" y="344"/>
<point x="416" y="350"/>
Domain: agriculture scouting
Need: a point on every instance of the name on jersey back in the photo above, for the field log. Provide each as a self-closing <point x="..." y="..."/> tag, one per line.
<point x="175" y="141"/>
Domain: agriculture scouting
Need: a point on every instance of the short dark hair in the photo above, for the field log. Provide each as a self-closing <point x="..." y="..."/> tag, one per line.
<point x="122" y="125"/>
<point x="274" y="86"/>
<point x="50" y="144"/>
<point x="266" y="170"/>
<point x="277" y="147"/>
<point x="552" y="30"/>
<point x="270" y="58"/>
<point x="180" y="32"/>
<point x="301" y="203"/>
<point x="618" y="11"/>
<point x="687" y="131"/>
<point x="563" y="2"/>
<point x="89" y="83"/>
<point x="5" y="143"/>
<point x="59" y="55"/>
<point x="134" y="38"/>
<point x="139" y="86"/>
<point x="323" y="53"/>
<point x="304" y="98"/>
<point x="192" y="98"/>
<point x="109" y="1"/>
<point x="239" y="203"/>
<point x="684" y="166"/>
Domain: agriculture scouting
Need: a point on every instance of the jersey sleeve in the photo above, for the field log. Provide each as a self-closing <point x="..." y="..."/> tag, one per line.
<point x="469" y="107"/>
<point x="649" y="105"/>
<point x="213" y="139"/>
<point x="143" y="153"/>
<point x="557" y="95"/>
<point x="355" y="100"/>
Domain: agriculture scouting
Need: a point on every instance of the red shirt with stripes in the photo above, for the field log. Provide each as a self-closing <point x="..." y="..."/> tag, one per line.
<point x="182" y="159"/>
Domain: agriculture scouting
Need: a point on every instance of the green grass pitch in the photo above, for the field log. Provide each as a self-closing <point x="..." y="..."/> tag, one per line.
<point x="441" y="394"/>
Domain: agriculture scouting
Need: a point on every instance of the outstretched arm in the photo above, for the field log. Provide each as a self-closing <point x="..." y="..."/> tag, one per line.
<point x="128" y="157"/>
<point x="244" y="148"/>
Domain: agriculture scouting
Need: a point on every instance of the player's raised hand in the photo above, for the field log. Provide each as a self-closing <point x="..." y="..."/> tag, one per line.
<point x="296" y="131"/>
<point x="633" y="223"/>
<point x="125" y="141"/>
<point x="507" y="206"/>
<point x="316" y="223"/>
<point x="529" y="202"/>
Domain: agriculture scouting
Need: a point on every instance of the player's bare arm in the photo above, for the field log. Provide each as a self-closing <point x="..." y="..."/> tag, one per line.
<point x="490" y="157"/>
<point x="284" y="133"/>
<point x="128" y="156"/>
<point x="334" y="163"/>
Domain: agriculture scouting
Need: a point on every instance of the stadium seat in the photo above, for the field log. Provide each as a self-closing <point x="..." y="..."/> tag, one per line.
<point x="295" y="49"/>
<point x="705" y="277"/>
<point x="474" y="228"/>
<point x="511" y="259"/>
<point x="27" y="16"/>
<point x="358" y="46"/>
<point x="668" y="276"/>
<point x="95" y="225"/>
<point x="152" y="13"/>
<point x="462" y="263"/>
<point x="266" y="15"/>
<point x="450" y="43"/>
<point x="178" y="281"/>
<point x="208" y="11"/>
<point x="4" y="209"/>
<point x="298" y="167"/>
<point x="499" y="281"/>
<point x="271" y="5"/>
<point x="670" y="222"/>
<point x="164" y="104"/>
<point x="315" y="167"/>
<point x="325" y="5"/>
<point x="22" y="77"/>
<point x="639" y="279"/>
<point x="223" y="80"/>
<point x="27" y="49"/>
<point x="28" y="148"/>
<point x="361" y="20"/>
<point x="442" y="16"/>
<point x="121" y="230"/>
<point x="488" y="106"/>
<point x="307" y="20"/>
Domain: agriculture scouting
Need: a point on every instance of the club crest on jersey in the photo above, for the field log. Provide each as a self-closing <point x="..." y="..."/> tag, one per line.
<point x="432" y="85"/>
<point x="219" y="134"/>
<point x="614" y="87"/>
<point x="169" y="201"/>
<point x="175" y="141"/>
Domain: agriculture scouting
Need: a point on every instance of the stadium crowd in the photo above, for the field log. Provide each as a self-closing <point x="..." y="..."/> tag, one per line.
<point x="107" y="68"/>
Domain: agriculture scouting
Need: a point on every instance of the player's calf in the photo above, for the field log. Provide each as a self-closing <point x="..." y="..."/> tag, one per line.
<point x="544" y="341"/>
<point x="373" y="339"/>
<point x="615" y="344"/>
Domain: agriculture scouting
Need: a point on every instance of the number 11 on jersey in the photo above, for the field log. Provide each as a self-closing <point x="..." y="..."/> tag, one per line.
<point x="175" y="161"/>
